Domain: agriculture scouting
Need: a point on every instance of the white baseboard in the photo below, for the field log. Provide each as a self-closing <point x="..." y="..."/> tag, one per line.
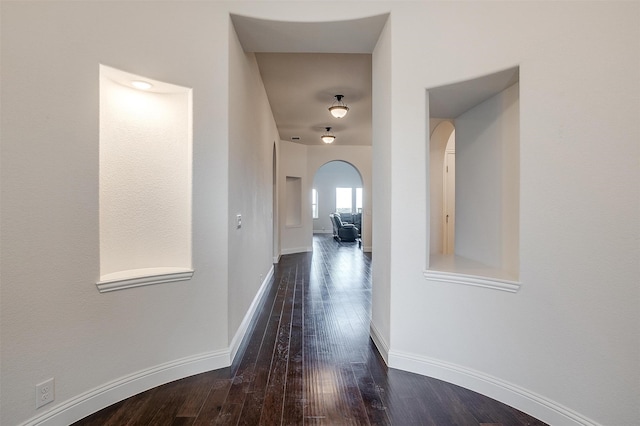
<point x="103" y="396"/>
<point x="296" y="250"/>
<point x="381" y="344"/>
<point x="320" y="231"/>
<point x="367" y="249"/>
<point x="246" y="321"/>
<point x="515" y="396"/>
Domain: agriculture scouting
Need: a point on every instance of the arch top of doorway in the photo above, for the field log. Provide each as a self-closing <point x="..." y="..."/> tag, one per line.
<point x="346" y="36"/>
<point x="338" y="160"/>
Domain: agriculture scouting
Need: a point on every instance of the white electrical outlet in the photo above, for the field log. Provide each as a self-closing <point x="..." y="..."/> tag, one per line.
<point x="45" y="392"/>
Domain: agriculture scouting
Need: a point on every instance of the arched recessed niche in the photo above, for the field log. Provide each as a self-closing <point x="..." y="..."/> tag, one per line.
<point x="484" y="116"/>
<point x="145" y="181"/>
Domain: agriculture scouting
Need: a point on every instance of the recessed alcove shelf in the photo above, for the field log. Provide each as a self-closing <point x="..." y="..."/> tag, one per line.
<point x="474" y="182"/>
<point x="141" y="277"/>
<point x="460" y="270"/>
<point x="145" y="181"/>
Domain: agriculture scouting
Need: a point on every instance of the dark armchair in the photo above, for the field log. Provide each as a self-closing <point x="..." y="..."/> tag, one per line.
<point x="343" y="231"/>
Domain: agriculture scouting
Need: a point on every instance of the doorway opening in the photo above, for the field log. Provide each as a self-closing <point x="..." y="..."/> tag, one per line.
<point x="449" y="196"/>
<point x="442" y="188"/>
<point x="338" y="186"/>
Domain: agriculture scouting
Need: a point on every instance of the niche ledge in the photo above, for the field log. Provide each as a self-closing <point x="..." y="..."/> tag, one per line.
<point x="140" y="277"/>
<point x="459" y="270"/>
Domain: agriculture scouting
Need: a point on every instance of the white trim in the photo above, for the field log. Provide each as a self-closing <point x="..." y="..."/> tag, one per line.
<point x="141" y="277"/>
<point x="367" y="249"/>
<point x="378" y="340"/>
<point x="276" y="259"/>
<point x="246" y="321"/>
<point x="296" y="250"/>
<point x="520" y="398"/>
<point x="117" y="390"/>
<point x="320" y="231"/>
<point x="473" y="280"/>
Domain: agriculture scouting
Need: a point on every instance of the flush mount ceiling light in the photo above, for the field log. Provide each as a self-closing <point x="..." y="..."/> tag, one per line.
<point x="142" y="85"/>
<point x="339" y="109"/>
<point x="327" y="137"/>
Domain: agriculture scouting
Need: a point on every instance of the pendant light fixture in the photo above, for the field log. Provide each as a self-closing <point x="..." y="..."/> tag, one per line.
<point x="327" y="137"/>
<point x="339" y="109"/>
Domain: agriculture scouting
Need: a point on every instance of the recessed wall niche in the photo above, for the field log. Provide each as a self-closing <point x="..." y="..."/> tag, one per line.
<point x="484" y="116"/>
<point x="293" y="194"/>
<point x="145" y="181"/>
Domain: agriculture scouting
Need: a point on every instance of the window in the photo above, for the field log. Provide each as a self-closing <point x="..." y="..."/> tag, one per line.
<point x="344" y="201"/>
<point x="347" y="198"/>
<point x="314" y="203"/>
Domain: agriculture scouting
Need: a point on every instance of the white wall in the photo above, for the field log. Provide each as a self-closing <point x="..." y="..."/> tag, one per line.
<point x="572" y="330"/>
<point x="55" y="323"/>
<point x="294" y="238"/>
<point x="487" y="182"/>
<point x="252" y="133"/>
<point x="383" y="120"/>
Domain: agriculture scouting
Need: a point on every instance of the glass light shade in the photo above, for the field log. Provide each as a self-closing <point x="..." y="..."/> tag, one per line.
<point x="339" y="111"/>
<point x="327" y="138"/>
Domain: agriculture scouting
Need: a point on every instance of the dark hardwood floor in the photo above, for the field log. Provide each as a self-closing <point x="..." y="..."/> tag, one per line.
<point x="309" y="360"/>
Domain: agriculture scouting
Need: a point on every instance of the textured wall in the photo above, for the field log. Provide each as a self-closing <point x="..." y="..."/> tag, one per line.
<point x="145" y="177"/>
<point x="55" y="323"/>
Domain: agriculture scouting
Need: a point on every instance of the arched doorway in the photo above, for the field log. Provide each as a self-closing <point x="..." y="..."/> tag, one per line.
<point x="337" y="187"/>
<point x="442" y="188"/>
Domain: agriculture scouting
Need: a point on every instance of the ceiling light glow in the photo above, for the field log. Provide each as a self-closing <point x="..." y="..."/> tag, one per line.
<point x="142" y="85"/>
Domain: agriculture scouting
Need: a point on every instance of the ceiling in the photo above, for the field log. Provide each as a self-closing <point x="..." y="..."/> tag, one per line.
<point x="305" y="64"/>
<point x="302" y="86"/>
<point x="451" y="100"/>
<point x="301" y="79"/>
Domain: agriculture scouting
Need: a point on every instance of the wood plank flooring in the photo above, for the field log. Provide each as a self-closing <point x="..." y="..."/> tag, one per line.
<point x="309" y="361"/>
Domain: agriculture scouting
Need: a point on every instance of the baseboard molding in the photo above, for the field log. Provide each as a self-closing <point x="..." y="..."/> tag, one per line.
<point x="524" y="400"/>
<point x="367" y="249"/>
<point x="381" y="344"/>
<point x="296" y="250"/>
<point x="103" y="396"/>
<point x="246" y="321"/>
<point x="315" y="231"/>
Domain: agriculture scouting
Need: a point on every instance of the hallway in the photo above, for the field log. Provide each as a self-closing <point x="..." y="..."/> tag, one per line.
<point x="309" y="360"/>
